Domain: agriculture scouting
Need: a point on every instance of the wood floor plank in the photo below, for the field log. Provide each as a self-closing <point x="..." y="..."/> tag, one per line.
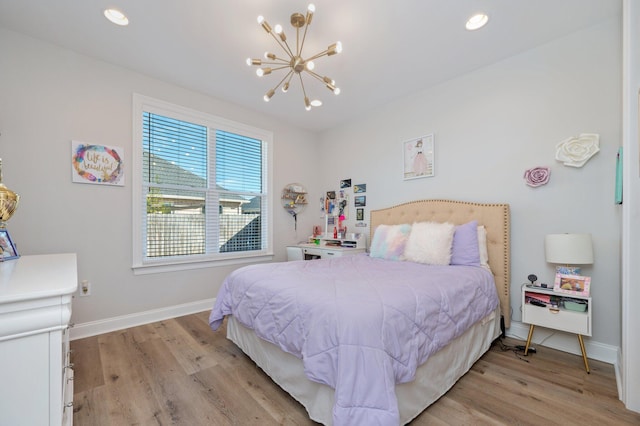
<point x="280" y="405"/>
<point x="178" y="372"/>
<point x="189" y="353"/>
<point x="448" y="411"/>
<point x="87" y="364"/>
<point x="118" y="403"/>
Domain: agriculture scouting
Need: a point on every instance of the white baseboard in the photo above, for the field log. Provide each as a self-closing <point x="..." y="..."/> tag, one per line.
<point x="107" y="325"/>
<point x="566" y="342"/>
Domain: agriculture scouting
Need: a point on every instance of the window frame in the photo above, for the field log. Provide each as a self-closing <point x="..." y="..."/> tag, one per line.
<point x="142" y="265"/>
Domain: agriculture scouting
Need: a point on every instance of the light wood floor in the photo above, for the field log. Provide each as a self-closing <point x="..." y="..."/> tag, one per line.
<point x="179" y="372"/>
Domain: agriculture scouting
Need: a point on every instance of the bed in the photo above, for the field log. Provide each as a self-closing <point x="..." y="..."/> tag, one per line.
<point x="337" y="379"/>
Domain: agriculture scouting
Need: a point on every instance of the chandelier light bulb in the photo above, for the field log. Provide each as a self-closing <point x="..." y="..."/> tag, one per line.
<point x="253" y="61"/>
<point x="316" y="103"/>
<point x="311" y="8"/>
<point x="285" y="87"/>
<point x="278" y="29"/>
<point x="334" y="49"/>
<point x="307" y="104"/>
<point x="269" y="95"/>
<point x="310" y="65"/>
<point x="263" y="71"/>
<point x="336" y="91"/>
<point x="264" y="24"/>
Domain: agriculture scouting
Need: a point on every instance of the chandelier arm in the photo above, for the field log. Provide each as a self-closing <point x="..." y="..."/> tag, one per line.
<point x="319" y="55"/>
<point x="283" y="79"/>
<point x="298" y="50"/>
<point x="304" y="92"/>
<point x="283" y="63"/>
<point x="290" y="78"/>
<point x="280" y="68"/>
<point x="316" y="76"/>
<point x="284" y="46"/>
<point x="304" y="36"/>
<point x="307" y="104"/>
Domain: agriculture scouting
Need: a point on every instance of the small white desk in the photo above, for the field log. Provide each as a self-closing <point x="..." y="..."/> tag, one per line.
<point x="327" y="248"/>
<point x="312" y="251"/>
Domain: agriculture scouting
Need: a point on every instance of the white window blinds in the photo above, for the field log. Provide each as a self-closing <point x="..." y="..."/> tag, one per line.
<point x="203" y="189"/>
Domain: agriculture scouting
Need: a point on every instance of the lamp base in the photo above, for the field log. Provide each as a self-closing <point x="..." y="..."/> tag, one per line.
<point x="568" y="270"/>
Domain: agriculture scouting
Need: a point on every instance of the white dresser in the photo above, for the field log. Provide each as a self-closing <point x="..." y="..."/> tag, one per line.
<point x="36" y="378"/>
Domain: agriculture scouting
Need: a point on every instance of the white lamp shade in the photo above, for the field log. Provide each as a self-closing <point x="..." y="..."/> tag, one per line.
<point x="568" y="249"/>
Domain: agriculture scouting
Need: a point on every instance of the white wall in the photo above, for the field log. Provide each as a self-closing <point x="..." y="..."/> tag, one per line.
<point x="50" y="96"/>
<point x="492" y="125"/>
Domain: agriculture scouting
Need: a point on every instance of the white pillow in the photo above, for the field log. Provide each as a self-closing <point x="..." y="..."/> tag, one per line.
<point x="430" y="243"/>
<point x="482" y="247"/>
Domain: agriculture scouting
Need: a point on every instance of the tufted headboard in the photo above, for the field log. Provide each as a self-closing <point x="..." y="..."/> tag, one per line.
<point x="495" y="218"/>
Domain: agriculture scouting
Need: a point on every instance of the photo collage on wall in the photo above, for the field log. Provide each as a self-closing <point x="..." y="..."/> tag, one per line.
<point x="337" y="206"/>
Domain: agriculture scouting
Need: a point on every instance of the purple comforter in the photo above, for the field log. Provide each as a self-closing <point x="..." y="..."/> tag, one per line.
<point x="359" y="324"/>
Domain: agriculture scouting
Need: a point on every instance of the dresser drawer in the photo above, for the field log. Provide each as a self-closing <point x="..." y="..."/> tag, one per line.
<point x="570" y="321"/>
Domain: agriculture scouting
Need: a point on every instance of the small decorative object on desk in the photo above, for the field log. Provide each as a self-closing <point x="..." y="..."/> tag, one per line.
<point x="7" y="248"/>
<point x="8" y="205"/>
<point x="572" y="284"/>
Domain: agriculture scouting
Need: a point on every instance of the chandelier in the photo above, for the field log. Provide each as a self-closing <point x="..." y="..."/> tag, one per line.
<point x="294" y="64"/>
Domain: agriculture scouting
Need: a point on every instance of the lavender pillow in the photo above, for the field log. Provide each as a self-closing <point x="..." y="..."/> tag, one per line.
<point x="389" y="241"/>
<point x="464" y="250"/>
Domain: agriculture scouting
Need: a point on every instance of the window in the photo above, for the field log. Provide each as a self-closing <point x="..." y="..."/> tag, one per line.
<point x="200" y="189"/>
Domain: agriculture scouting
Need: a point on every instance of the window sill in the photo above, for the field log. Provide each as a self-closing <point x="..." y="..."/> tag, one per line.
<point x="165" y="265"/>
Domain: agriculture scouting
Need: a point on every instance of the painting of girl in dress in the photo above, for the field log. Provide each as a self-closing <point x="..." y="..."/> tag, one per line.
<point x="418" y="157"/>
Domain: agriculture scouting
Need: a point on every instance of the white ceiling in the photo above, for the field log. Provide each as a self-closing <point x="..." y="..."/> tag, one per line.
<point x="391" y="48"/>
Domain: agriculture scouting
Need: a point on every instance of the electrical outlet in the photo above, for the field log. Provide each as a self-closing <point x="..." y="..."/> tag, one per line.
<point x="85" y="288"/>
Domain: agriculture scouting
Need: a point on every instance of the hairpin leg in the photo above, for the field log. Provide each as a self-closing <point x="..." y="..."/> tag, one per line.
<point x="526" y="348"/>
<point x="584" y="354"/>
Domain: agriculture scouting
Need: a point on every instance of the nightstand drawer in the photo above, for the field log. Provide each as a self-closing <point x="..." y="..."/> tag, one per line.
<point x="570" y="321"/>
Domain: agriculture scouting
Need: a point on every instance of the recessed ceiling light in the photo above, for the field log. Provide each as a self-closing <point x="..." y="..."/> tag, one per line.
<point x="117" y="17"/>
<point x="477" y="21"/>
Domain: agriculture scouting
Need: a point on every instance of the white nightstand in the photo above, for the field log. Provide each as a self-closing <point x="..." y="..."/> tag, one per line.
<point x="556" y="315"/>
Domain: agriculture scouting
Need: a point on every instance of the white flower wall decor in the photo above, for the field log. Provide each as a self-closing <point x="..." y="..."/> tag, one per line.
<point x="576" y="151"/>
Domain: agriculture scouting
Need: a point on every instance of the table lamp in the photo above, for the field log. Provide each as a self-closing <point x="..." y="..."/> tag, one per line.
<point x="568" y="249"/>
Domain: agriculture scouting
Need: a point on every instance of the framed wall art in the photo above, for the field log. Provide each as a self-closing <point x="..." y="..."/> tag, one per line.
<point x="419" y="157"/>
<point x="97" y="164"/>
